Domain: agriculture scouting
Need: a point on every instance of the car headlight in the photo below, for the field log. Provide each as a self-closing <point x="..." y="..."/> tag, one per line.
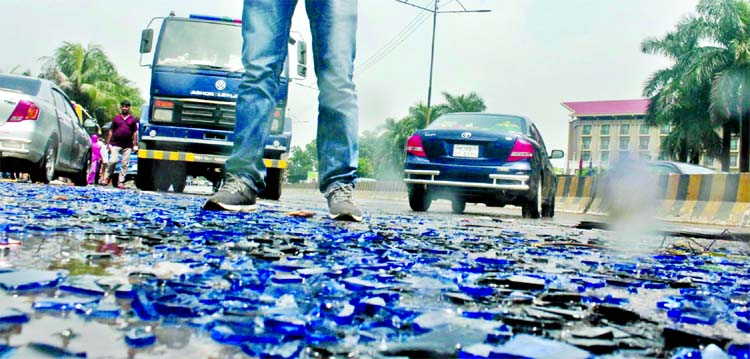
<point x="162" y="115"/>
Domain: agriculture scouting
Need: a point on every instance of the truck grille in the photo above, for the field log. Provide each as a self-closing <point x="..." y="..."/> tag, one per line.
<point x="207" y="115"/>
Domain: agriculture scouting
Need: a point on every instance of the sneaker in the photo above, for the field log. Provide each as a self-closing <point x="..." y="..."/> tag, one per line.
<point x="340" y="203"/>
<point x="120" y="186"/>
<point x="234" y="195"/>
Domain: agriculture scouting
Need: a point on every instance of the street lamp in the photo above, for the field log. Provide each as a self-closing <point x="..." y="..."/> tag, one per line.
<point x="435" y="13"/>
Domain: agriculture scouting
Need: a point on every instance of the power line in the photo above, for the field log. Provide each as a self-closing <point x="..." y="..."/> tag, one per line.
<point x="392" y="44"/>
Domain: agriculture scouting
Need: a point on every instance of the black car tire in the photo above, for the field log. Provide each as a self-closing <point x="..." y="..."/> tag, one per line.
<point x="274" y="177"/>
<point x="179" y="183"/>
<point x="548" y="210"/>
<point x="458" y="206"/>
<point x="530" y="208"/>
<point x="419" y="198"/>
<point x="82" y="177"/>
<point x="45" y="169"/>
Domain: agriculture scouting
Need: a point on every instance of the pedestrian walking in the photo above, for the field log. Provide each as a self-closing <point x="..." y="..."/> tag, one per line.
<point x="265" y="30"/>
<point x="96" y="159"/>
<point x="121" y="141"/>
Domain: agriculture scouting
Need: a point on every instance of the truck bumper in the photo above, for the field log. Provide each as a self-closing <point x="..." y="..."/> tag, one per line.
<point x="200" y="158"/>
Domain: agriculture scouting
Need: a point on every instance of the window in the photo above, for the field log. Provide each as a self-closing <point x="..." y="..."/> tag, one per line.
<point x="586" y="130"/>
<point x="732" y="160"/>
<point x="624" y="129"/>
<point x="664" y="129"/>
<point x="624" y="143"/>
<point x="586" y="143"/>
<point x="586" y="156"/>
<point x="644" y="129"/>
<point x="733" y="144"/>
<point x="605" y="143"/>
<point x="605" y="157"/>
<point x="645" y="156"/>
<point x="604" y="130"/>
<point x="643" y="143"/>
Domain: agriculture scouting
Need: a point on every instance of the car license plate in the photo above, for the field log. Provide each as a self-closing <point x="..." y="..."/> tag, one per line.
<point x="465" y="151"/>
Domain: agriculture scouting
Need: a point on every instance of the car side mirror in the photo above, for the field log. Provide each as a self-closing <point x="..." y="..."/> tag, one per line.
<point x="556" y="154"/>
<point x="147" y="40"/>
<point x="301" y="58"/>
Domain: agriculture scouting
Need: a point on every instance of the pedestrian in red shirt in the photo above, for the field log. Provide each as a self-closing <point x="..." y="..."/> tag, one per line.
<point x="122" y="139"/>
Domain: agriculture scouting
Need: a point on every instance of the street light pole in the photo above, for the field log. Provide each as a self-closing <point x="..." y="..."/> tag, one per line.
<point x="435" y="13"/>
<point x="432" y="62"/>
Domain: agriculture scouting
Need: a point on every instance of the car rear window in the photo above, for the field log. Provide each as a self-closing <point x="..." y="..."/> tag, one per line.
<point x="495" y="123"/>
<point x="27" y="86"/>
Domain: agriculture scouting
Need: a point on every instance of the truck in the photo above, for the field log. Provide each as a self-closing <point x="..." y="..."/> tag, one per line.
<point x="188" y="126"/>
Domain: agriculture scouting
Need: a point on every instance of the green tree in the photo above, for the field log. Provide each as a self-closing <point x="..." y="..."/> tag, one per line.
<point x="708" y="85"/>
<point x="90" y="79"/>
<point x="301" y="161"/>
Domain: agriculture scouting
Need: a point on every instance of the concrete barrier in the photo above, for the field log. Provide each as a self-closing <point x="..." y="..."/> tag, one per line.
<point x="574" y="194"/>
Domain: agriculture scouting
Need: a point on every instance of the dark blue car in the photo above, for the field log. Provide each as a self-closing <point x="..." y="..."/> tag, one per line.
<point x="481" y="158"/>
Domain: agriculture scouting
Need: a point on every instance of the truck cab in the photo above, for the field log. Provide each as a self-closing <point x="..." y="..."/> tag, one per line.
<point x="189" y="123"/>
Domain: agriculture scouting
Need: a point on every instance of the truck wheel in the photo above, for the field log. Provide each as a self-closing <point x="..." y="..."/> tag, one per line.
<point x="82" y="177"/>
<point x="45" y="168"/>
<point x="419" y="198"/>
<point x="274" y="177"/>
<point x="143" y="179"/>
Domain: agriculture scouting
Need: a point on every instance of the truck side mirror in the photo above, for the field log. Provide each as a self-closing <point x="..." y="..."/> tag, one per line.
<point x="302" y="59"/>
<point x="556" y="154"/>
<point x="147" y="40"/>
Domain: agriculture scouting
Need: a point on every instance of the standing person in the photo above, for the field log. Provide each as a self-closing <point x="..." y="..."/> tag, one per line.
<point x="96" y="159"/>
<point x="122" y="139"/>
<point x="265" y="30"/>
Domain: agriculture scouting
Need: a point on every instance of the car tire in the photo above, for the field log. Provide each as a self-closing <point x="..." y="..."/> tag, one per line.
<point x="274" y="177"/>
<point x="458" y="206"/>
<point x="45" y="169"/>
<point x="179" y="183"/>
<point x="548" y="210"/>
<point x="82" y="177"/>
<point x="532" y="206"/>
<point x="419" y="198"/>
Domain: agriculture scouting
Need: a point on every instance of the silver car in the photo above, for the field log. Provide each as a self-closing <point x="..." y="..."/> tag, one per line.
<point x="40" y="132"/>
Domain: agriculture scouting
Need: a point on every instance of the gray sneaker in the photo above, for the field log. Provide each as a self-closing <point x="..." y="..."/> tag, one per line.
<point x="340" y="203"/>
<point x="234" y="195"/>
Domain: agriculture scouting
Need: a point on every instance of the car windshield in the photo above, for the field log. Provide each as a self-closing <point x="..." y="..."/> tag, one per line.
<point x="689" y="169"/>
<point x="23" y="85"/>
<point x="200" y="44"/>
<point x="494" y="123"/>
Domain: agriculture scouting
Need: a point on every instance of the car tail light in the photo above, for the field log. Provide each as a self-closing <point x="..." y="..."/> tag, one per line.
<point x="25" y="110"/>
<point x="522" y="150"/>
<point x="414" y="146"/>
<point x="163" y="104"/>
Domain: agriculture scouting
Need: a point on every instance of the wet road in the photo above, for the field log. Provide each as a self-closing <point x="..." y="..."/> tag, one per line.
<point x="131" y="274"/>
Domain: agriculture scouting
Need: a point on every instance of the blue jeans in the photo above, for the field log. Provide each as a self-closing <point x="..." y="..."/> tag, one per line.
<point x="265" y="29"/>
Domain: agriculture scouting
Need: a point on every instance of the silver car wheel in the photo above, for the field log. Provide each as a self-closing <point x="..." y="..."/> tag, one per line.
<point x="50" y="159"/>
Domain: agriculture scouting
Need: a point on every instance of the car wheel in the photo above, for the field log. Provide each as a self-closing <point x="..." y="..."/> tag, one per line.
<point x="274" y="178"/>
<point x="458" y="206"/>
<point x="530" y="208"/>
<point x="82" y="177"/>
<point x="548" y="210"/>
<point x="45" y="171"/>
<point x="179" y="183"/>
<point x="419" y="198"/>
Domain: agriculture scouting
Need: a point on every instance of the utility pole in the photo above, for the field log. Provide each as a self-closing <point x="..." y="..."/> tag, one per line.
<point x="435" y="13"/>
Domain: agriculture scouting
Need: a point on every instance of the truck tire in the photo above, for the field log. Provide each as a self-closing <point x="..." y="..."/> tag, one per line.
<point x="143" y="179"/>
<point x="274" y="177"/>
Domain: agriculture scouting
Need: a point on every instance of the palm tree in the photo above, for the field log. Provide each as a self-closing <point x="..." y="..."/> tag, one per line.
<point x="89" y="78"/>
<point x="707" y="87"/>
<point x="464" y="103"/>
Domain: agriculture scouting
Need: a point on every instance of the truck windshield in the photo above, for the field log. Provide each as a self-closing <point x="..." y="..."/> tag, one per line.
<point x="200" y="44"/>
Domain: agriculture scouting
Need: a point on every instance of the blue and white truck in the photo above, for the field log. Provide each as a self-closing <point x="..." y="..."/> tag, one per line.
<point x="188" y="128"/>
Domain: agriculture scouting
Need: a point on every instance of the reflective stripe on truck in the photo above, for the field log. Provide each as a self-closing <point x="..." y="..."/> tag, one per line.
<point x="200" y="158"/>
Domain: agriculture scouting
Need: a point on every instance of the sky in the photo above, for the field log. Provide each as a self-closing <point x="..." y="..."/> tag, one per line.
<point x="524" y="57"/>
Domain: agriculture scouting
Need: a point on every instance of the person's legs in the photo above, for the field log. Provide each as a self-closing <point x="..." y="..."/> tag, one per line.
<point x="333" y="24"/>
<point x="114" y="153"/>
<point x="265" y="30"/>
<point x="124" y="164"/>
<point x="92" y="171"/>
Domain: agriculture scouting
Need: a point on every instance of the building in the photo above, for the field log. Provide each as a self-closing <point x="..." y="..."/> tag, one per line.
<point x="602" y="132"/>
